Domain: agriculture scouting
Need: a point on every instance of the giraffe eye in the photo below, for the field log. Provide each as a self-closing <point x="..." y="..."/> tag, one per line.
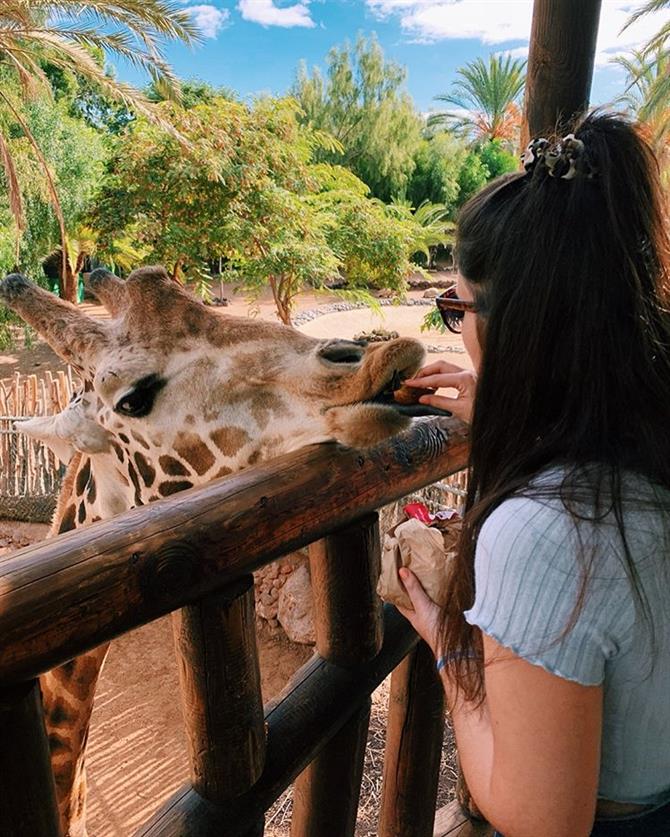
<point x="140" y="400"/>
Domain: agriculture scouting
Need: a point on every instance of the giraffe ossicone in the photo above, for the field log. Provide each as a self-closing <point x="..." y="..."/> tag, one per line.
<point x="175" y="395"/>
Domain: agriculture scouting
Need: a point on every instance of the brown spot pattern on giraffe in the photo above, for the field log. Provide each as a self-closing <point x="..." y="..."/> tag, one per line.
<point x="167" y="488"/>
<point x="172" y="467"/>
<point x="140" y="440"/>
<point x="77" y="676"/>
<point x="229" y="440"/>
<point x="146" y="469"/>
<point x="83" y="477"/>
<point x="192" y="448"/>
<point x="68" y="521"/>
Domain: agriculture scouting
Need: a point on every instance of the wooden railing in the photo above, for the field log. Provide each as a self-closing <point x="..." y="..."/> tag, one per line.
<point x="193" y="554"/>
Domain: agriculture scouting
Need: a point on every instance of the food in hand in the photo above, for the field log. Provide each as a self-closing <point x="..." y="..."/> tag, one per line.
<point x="410" y="395"/>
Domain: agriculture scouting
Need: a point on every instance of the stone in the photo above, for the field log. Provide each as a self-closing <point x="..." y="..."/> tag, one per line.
<point x="431" y="293"/>
<point x="295" y="609"/>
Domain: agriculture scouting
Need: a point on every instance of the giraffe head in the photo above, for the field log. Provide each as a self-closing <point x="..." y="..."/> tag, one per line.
<point x="176" y="395"/>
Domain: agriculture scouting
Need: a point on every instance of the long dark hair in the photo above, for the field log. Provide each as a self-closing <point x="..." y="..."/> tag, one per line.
<point x="572" y="281"/>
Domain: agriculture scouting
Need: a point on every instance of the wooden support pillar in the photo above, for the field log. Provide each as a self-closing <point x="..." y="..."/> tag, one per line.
<point x="345" y="567"/>
<point x="349" y="631"/>
<point x="220" y="680"/>
<point x="560" y="64"/>
<point x="332" y="782"/>
<point x="413" y="747"/>
<point x="27" y="791"/>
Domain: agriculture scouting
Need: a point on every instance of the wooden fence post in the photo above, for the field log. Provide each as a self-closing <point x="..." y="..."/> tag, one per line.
<point x="221" y="691"/>
<point x="413" y="747"/>
<point x="560" y="63"/>
<point x="348" y="621"/>
<point x="28" y="798"/>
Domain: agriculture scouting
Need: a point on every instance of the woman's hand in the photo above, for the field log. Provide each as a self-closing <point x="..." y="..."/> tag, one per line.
<point x="444" y="375"/>
<point x="425" y="617"/>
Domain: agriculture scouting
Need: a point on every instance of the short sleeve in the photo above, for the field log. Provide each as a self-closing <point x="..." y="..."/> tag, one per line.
<point x="528" y="579"/>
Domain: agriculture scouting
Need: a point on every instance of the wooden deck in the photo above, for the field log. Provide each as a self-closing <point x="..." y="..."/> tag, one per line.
<point x="450" y="821"/>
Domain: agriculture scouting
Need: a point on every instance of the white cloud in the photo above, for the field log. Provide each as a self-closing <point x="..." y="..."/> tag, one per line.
<point x="267" y="13"/>
<point x="209" y="19"/>
<point x="496" y="22"/>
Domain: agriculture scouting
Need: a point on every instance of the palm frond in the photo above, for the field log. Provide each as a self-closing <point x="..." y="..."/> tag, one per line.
<point x="13" y="186"/>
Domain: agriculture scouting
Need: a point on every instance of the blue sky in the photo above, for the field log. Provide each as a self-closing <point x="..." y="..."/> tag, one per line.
<point x="254" y="46"/>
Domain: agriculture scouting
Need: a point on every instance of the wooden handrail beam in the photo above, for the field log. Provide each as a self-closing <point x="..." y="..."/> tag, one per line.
<point x="74" y="592"/>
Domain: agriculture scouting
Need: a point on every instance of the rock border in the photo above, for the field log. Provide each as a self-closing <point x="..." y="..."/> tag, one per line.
<point x="339" y="307"/>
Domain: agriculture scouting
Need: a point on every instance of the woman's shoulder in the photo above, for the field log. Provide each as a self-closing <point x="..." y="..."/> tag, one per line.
<point x="555" y="518"/>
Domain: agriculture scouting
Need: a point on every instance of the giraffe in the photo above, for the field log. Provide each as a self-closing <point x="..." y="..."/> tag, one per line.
<point x="176" y="395"/>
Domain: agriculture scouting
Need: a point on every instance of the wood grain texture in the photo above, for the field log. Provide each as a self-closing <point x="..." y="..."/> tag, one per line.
<point x="28" y="795"/>
<point x="413" y="747"/>
<point x="325" y="795"/>
<point x="560" y="64"/>
<point x="74" y="592"/>
<point x="318" y="701"/>
<point x="344" y="567"/>
<point x="450" y="821"/>
<point x="220" y="683"/>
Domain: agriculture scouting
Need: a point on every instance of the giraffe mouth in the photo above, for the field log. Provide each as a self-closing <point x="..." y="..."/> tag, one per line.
<point x="388" y="395"/>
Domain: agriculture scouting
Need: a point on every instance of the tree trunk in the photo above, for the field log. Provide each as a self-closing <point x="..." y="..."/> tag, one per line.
<point x="68" y="280"/>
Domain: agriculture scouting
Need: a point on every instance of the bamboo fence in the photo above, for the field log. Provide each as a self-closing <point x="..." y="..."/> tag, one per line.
<point x="28" y="469"/>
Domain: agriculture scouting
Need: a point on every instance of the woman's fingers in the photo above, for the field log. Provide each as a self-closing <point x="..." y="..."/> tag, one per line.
<point x="440" y="380"/>
<point x="436" y="377"/>
<point x="440" y="366"/>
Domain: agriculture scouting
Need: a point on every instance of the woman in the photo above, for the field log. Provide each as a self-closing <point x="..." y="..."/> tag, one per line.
<point x="555" y="647"/>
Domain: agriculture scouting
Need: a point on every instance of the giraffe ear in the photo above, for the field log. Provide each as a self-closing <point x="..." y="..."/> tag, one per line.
<point x="66" y="433"/>
<point x="43" y="429"/>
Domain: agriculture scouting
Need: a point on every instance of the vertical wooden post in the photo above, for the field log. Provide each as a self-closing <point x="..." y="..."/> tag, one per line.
<point x="348" y="621"/>
<point x="221" y="691"/>
<point x="413" y="747"/>
<point x="27" y="790"/>
<point x="345" y="567"/>
<point x="560" y="63"/>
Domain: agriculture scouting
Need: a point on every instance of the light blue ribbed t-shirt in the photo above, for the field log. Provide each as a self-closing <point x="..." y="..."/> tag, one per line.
<point x="527" y="579"/>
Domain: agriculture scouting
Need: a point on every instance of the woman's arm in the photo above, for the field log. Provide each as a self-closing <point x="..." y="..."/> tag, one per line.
<point x="530" y="755"/>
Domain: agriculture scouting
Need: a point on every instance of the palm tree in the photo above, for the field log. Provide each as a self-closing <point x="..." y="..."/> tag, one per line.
<point x="487" y="98"/>
<point x="650" y="71"/>
<point x="62" y="33"/>
<point x="645" y="72"/>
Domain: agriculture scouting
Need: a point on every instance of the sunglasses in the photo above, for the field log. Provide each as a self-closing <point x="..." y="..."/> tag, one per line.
<point x="452" y="309"/>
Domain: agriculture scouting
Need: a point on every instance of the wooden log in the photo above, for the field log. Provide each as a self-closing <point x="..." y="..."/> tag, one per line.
<point x="450" y="821"/>
<point x="27" y="791"/>
<point x="72" y="593"/>
<point x="220" y="682"/>
<point x="314" y="706"/>
<point x="413" y="747"/>
<point x="325" y="795"/>
<point x="345" y="566"/>
<point x="560" y="64"/>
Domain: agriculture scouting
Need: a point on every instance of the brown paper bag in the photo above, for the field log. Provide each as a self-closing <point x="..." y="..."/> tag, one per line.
<point x="425" y="550"/>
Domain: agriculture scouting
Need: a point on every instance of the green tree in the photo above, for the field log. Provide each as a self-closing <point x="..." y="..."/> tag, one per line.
<point x="364" y="105"/>
<point x="247" y="193"/>
<point x="656" y="52"/>
<point x="437" y="164"/>
<point x="486" y="96"/>
<point x="60" y="35"/>
<point x="74" y="154"/>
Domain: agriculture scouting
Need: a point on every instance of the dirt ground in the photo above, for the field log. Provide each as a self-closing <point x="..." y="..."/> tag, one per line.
<point x="137" y="754"/>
